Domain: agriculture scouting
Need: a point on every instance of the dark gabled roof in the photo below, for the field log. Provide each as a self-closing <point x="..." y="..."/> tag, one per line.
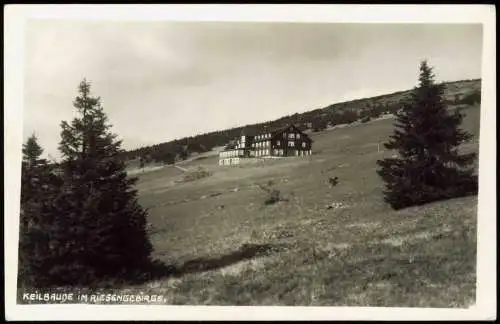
<point x="281" y="129"/>
<point x="284" y="128"/>
<point x="273" y="131"/>
<point x="269" y="130"/>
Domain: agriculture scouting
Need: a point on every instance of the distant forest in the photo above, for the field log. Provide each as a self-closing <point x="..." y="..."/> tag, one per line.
<point x="466" y="92"/>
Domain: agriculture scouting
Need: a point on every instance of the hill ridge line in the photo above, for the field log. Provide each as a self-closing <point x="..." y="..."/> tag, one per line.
<point x="314" y="113"/>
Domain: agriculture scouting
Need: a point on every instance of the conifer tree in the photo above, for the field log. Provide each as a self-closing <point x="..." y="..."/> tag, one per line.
<point x="39" y="187"/>
<point x="427" y="136"/>
<point x="31" y="165"/>
<point x="101" y="228"/>
<point x="32" y="151"/>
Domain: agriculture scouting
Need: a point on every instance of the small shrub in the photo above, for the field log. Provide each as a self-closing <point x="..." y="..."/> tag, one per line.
<point x="273" y="197"/>
<point x="333" y="181"/>
<point x="470" y="99"/>
<point x="199" y="173"/>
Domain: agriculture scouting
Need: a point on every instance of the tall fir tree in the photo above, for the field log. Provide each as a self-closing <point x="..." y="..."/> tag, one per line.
<point x="427" y="136"/>
<point x="101" y="228"/>
<point x="32" y="165"/>
<point x="32" y="151"/>
<point x="39" y="188"/>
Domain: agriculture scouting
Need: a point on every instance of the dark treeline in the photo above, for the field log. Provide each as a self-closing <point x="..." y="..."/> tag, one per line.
<point x="317" y="120"/>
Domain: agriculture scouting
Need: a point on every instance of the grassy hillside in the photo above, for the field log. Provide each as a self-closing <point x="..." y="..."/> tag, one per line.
<point x="233" y="249"/>
<point x="455" y="93"/>
<point x="451" y="91"/>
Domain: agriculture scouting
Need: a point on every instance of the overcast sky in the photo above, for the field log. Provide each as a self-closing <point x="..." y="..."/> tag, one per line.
<point x="165" y="80"/>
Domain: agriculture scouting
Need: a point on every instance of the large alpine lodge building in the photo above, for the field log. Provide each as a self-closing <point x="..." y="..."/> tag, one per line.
<point x="283" y="142"/>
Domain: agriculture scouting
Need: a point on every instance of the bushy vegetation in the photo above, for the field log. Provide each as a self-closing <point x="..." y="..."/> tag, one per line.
<point x="81" y="223"/>
<point x="333" y="181"/>
<point x="429" y="166"/>
<point x="197" y="174"/>
<point x="472" y="98"/>
<point x="273" y="195"/>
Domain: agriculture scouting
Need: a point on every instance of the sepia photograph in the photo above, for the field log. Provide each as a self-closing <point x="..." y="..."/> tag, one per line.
<point x="222" y="162"/>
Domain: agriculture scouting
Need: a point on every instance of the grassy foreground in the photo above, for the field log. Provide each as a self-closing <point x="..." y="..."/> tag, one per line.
<point x="340" y="246"/>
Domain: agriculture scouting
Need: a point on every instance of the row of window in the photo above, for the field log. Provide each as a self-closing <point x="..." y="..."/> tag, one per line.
<point x="302" y="153"/>
<point x="285" y="135"/>
<point x="260" y="153"/>
<point x="291" y="135"/>
<point x="292" y="144"/>
<point x="278" y="143"/>
<point x="261" y="144"/>
<point x="263" y="136"/>
<point x="279" y="152"/>
<point x="233" y="153"/>
<point x="229" y="161"/>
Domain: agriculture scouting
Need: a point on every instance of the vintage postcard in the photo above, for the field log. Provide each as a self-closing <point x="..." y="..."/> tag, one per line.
<point x="266" y="162"/>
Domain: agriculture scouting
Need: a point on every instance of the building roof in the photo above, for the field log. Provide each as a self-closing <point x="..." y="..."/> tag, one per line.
<point x="281" y="129"/>
<point x="251" y="133"/>
<point x="272" y="130"/>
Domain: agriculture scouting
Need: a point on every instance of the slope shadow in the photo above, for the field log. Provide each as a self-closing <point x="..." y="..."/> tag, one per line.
<point x="160" y="270"/>
<point x="202" y="264"/>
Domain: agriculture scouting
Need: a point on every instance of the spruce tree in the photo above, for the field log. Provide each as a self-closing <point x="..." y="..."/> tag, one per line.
<point x="32" y="151"/>
<point x="31" y="166"/>
<point x="101" y="227"/>
<point x="39" y="188"/>
<point x="427" y="136"/>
